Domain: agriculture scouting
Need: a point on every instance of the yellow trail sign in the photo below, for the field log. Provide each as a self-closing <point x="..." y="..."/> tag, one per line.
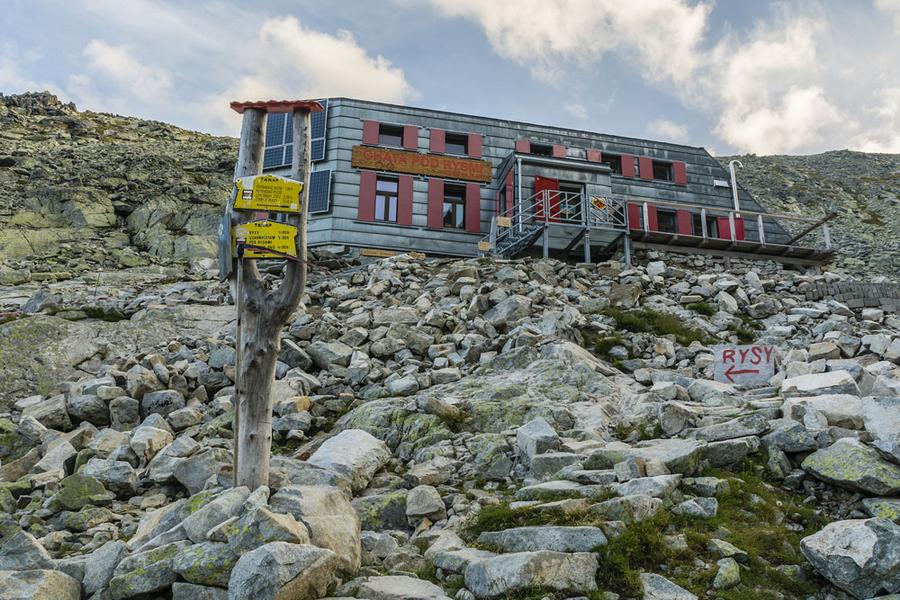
<point x="268" y="192"/>
<point x="265" y="239"/>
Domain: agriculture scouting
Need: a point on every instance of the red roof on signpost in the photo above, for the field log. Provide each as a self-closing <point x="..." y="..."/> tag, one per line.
<point x="277" y="106"/>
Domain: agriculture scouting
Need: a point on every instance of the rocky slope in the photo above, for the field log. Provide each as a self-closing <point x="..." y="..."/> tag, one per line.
<point x="82" y="191"/>
<point x="474" y="429"/>
<point x="863" y="189"/>
<point x="467" y="429"/>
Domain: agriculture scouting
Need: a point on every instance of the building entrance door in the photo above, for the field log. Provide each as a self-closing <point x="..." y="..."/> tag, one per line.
<point x="547" y="184"/>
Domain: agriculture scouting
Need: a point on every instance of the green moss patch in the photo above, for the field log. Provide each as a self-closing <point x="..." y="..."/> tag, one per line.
<point x="650" y="321"/>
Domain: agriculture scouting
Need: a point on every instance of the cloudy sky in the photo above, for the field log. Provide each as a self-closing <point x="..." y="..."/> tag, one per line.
<point x="731" y="75"/>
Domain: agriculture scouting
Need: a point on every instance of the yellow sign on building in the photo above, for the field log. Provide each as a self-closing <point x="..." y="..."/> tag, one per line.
<point x="268" y="192"/>
<point x="265" y="239"/>
<point x="504" y="222"/>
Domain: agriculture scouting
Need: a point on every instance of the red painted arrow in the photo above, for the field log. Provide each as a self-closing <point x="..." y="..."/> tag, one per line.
<point x="732" y="371"/>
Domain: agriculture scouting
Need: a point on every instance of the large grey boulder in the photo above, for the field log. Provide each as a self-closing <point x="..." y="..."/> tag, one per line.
<point x="280" y="570"/>
<point x="329" y="517"/>
<point x="38" y="584"/>
<point x="851" y="464"/>
<point x="657" y="587"/>
<point x="679" y="456"/>
<point x="195" y="471"/>
<point x="630" y="509"/>
<point x="546" y="537"/>
<point x="882" y="417"/>
<point x="399" y="587"/>
<point x="222" y="507"/>
<point x="117" y="476"/>
<point x="162" y="402"/>
<point x="570" y="573"/>
<point x="325" y="354"/>
<point x="860" y="556"/>
<point x="424" y="501"/>
<point x="536" y="437"/>
<point x="51" y="413"/>
<point x="20" y="550"/>
<point x="508" y="311"/>
<point x="752" y="424"/>
<point x="100" y="564"/>
<point x="814" y="384"/>
<point x="841" y="410"/>
<point x="87" y="407"/>
<point x="145" y="572"/>
<point x="354" y="454"/>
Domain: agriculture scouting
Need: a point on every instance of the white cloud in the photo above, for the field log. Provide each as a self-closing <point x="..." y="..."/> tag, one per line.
<point x="548" y="36"/>
<point x="303" y="63"/>
<point x="803" y="79"/>
<point x="229" y="54"/>
<point x="890" y="6"/>
<point x="14" y="79"/>
<point x="668" y="130"/>
<point x="887" y="113"/>
<point x="577" y="110"/>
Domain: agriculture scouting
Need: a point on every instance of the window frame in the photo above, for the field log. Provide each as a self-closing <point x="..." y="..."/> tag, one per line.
<point x="541" y="150"/>
<point x="663" y="164"/>
<point x="457" y="201"/>
<point x="387" y="198"/>
<point x="615" y="165"/>
<point x="670" y="217"/>
<point x="462" y="140"/>
<point x="393" y="128"/>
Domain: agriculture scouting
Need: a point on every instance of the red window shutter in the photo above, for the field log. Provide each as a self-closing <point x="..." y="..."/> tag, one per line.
<point x="634" y="216"/>
<point x="724" y="227"/>
<point x="593" y="155"/>
<point x="473" y="208"/>
<point x="684" y="222"/>
<point x="559" y="151"/>
<point x="475" y="145"/>
<point x="523" y="146"/>
<point x="410" y="137"/>
<point x="436" y="203"/>
<point x="437" y="140"/>
<point x="679" y="172"/>
<point x="367" y="195"/>
<point x="652" y="221"/>
<point x="645" y="163"/>
<point x="509" y="192"/>
<point x="404" y="200"/>
<point x="370" y="132"/>
<point x="627" y="165"/>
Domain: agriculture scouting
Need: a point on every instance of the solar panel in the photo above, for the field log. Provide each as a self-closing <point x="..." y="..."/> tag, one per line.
<point x="275" y="129"/>
<point x="318" y="130"/>
<point x="318" y="149"/>
<point x="319" y="191"/>
<point x="279" y="135"/>
<point x="273" y="157"/>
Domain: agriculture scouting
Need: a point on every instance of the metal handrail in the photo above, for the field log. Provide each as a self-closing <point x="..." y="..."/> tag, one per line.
<point x="551" y="207"/>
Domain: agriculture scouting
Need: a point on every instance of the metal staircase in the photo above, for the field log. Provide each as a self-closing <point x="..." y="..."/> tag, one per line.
<point x="522" y="224"/>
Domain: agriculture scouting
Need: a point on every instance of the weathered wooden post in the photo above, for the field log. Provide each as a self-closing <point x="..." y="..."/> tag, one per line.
<point x="263" y="312"/>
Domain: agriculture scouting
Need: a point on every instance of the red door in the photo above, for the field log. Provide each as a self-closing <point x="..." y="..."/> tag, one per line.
<point x="543" y="184"/>
<point x="724" y="227"/>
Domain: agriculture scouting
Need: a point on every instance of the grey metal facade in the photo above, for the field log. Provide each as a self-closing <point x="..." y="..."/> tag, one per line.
<point x="341" y="223"/>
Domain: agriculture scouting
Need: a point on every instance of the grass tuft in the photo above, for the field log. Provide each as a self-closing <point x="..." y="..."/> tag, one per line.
<point x="650" y="321"/>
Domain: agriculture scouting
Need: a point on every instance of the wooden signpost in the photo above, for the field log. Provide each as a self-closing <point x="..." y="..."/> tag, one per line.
<point x="263" y="310"/>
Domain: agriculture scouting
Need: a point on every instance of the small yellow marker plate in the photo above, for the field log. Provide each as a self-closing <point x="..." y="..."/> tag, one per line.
<point x="268" y="192"/>
<point x="504" y="222"/>
<point x="269" y="239"/>
<point x="484" y="246"/>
